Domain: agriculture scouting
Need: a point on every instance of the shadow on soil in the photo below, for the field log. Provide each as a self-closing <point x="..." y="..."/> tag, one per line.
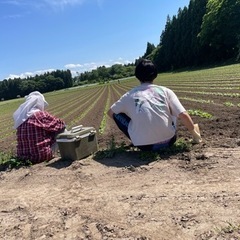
<point x="60" y="163"/>
<point x="116" y="157"/>
<point x="123" y="159"/>
<point x="137" y="158"/>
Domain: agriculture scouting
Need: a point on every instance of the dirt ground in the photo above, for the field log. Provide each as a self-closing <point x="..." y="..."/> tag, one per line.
<point x="186" y="195"/>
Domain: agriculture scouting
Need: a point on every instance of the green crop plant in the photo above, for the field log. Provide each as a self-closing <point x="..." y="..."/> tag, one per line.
<point x="200" y="113"/>
<point x="228" y="104"/>
<point x="9" y="161"/>
<point x="149" y="156"/>
<point x="178" y="147"/>
<point x="111" y="150"/>
<point x="4" y="157"/>
<point x="197" y="100"/>
<point x="104" y="120"/>
<point x="211" y="93"/>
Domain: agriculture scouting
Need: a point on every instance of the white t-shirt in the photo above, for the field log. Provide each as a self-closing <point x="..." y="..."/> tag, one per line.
<point x="152" y="110"/>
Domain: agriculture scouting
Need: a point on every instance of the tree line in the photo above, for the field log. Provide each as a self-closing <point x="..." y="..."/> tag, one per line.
<point x="204" y="33"/>
<point x="105" y="74"/>
<point x="47" y="82"/>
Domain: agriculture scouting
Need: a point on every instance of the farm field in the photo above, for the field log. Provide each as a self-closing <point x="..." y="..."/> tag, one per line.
<point x="185" y="195"/>
<point x="214" y="91"/>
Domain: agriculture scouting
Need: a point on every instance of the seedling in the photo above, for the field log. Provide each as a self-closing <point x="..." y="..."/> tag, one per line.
<point x="179" y="146"/>
<point x="9" y="161"/>
<point x="228" y="104"/>
<point x="111" y="150"/>
<point x="199" y="113"/>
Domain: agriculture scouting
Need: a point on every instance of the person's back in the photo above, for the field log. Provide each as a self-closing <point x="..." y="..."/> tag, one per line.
<point x="147" y="114"/>
<point x="36" y="129"/>
<point x="35" y="138"/>
<point x="151" y="121"/>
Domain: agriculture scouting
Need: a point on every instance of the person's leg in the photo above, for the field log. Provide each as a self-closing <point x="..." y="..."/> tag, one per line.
<point x="158" y="146"/>
<point x="146" y="147"/>
<point x="122" y="121"/>
<point x="169" y="143"/>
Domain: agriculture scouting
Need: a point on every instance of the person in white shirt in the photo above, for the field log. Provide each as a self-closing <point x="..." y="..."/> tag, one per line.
<point x="148" y="113"/>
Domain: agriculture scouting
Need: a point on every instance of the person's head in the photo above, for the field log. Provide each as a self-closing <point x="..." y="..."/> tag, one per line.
<point x="36" y="100"/>
<point x="145" y="71"/>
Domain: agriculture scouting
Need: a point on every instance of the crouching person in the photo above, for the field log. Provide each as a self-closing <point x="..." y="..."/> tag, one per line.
<point x="36" y="129"/>
<point x="148" y="113"/>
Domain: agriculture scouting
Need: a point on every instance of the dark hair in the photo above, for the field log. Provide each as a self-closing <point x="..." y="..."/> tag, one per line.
<point x="145" y="71"/>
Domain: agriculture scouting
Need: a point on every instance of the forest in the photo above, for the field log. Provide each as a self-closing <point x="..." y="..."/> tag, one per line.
<point x="205" y="33"/>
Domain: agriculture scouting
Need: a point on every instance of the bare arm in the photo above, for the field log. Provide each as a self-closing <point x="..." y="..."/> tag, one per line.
<point x="186" y="120"/>
<point x="192" y="128"/>
<point x="110" y="113"/>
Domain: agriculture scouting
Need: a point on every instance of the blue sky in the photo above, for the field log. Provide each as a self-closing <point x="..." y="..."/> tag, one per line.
<point x="80" y="35"/>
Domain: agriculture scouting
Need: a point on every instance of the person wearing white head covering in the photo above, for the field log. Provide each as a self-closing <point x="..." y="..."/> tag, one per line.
<point x="36" y="129"/>
<point x="34" y="102"/>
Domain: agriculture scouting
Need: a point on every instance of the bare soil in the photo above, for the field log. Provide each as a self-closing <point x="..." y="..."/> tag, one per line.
<point x="186" y="195"/>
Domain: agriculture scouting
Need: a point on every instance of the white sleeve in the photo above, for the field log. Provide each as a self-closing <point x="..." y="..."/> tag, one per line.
<point x="174" y="103"/>
<point x="119" y="106"/>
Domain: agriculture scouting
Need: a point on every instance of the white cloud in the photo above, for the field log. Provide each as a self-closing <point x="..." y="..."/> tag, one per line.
<point x="72" y="65"/>
<point x="29" y="74"/>
<point x="87" y="67"/>
<point x="75" y="68"/>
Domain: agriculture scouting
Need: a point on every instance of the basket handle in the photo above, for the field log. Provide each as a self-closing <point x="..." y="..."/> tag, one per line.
<point x="76" y="128"/>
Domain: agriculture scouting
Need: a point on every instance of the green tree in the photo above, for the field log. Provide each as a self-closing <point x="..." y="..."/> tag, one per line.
<point x="220" y="30"/>
<point x="4" y="89"/>
<point x="27" y="86"/>
<point x="14" y="88"/>
<point x="149" y="50"/>
<point x="179" y="45"/>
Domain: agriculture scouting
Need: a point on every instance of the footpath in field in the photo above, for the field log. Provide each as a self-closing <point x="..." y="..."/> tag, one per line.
<point x="192" y="195"/>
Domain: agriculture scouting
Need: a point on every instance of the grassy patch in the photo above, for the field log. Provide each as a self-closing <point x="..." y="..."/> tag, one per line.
<point x="231" y="229"/>
<point x="9" y="161"/>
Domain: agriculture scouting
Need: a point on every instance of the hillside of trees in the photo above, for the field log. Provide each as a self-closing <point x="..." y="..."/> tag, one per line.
<point x="204" y="33"/>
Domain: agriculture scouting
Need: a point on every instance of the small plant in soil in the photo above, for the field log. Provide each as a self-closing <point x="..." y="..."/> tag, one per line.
<point x="200" y="113"/>
<point x="228" y="104"/>
<point x="178" y="147"/>
<point x="9" y="161"/>
<point x="111" y="150"/>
